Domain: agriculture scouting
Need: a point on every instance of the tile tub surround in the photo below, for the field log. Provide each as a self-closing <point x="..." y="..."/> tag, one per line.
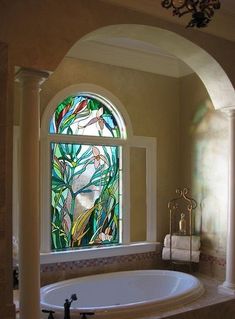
<point x="209" y="265"/>
<point x="210" y="305"/>
<point x="61" y="271"/>
<point x="212" y="266"/>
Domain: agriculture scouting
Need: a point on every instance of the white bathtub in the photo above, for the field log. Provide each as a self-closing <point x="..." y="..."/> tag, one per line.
<point x="127" y="292"/>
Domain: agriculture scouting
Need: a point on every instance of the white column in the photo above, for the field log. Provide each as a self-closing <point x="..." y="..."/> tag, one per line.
<point x="229" y="284"/>
<point x="29" y="238"/>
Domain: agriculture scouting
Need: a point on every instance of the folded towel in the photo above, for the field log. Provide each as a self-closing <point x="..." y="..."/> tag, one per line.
<point x="182" y="242"/>
<point x="180" y="254"/>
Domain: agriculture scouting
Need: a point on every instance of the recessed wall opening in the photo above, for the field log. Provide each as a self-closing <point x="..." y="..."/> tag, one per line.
<point x="173" y="120"/>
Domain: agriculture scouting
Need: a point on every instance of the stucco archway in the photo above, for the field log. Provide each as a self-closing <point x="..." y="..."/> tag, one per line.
<point x="217" y="84"/>
<point x="205" y="66"/>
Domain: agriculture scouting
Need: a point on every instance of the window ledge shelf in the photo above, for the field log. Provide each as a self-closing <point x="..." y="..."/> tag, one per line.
<point x="98" y="252"/>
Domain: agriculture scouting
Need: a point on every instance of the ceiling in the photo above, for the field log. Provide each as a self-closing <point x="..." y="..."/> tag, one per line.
<point x="129" y="53"/>
<point x="141" y="55"/>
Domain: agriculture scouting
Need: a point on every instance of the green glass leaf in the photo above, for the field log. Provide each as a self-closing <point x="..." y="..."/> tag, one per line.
<point x="62" y="105"/>
<point x="57" y="170"/>
<point x="94" y="104"/>
<point x="57" y="181"/>
<point x="67" y="123"/>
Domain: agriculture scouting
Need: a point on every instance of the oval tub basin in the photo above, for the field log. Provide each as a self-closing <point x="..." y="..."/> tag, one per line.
<point x="126" y="291"/>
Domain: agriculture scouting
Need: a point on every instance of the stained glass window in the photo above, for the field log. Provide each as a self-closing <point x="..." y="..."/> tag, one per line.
<point x="85" y="177"/>
<point x="83" y="115"/>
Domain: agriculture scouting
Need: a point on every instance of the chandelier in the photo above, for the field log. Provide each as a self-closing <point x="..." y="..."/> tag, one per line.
<point x="201" y="10"/>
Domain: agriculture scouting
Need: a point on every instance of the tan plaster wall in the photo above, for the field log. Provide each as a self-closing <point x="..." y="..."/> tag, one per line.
<point x="138" y="194"/>
<point x="153" y="111"/>
<point x="39" y="33"/>
<point x="204" y="162"/>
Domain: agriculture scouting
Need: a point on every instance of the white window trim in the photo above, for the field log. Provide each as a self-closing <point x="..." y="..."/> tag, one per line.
<point x="45" y="182"/>
<point x="98" y="252"/>
<point x="148" y="143"/>
<point x="127" y="247"/>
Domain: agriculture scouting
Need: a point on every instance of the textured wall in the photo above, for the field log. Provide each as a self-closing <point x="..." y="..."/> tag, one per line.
<point x="204" y="167"/>
<point x="138" y="194"/>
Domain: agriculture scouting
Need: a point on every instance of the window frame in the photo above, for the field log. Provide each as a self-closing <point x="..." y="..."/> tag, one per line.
<point x="128" y="141"/>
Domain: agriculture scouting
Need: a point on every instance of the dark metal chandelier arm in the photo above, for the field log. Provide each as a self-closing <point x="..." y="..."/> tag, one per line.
<point x="166" y="4"/>
<point x="202" y="10"/>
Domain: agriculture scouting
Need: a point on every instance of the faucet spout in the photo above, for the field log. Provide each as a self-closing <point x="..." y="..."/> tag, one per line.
<point x="67" y="305"/>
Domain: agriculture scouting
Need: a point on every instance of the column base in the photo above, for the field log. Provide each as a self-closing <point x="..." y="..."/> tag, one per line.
<point x="227" y="288"/>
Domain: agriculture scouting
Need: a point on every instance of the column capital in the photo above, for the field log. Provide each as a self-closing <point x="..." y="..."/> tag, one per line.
<point x="229" y="111"/>
<point x="31" y="76"/>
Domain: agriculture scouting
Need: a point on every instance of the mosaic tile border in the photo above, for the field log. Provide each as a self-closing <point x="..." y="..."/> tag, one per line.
<point x="99" y="261"/>
<point x="122" y="259"/>
<point x="210" y="265"/>
<point x="213" y="260"/>
<point x="54" y="272"/>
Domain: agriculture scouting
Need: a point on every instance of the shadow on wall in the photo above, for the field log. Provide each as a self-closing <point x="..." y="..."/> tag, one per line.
<point x="210" y="175"/>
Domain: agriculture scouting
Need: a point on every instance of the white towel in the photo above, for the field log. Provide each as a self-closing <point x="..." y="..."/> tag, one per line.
<point x="180" y="254"/>
<point x="182" y="242"/>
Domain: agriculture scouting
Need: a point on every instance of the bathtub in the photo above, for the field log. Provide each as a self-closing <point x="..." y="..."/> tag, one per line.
<point x="126" y="292"/>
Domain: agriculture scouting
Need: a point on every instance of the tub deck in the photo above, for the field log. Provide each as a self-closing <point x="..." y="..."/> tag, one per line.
<point x="211" y="305"/>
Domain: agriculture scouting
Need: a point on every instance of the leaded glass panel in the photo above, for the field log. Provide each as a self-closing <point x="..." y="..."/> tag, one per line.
<point x="84" y="115"/>
<point x="85" y="195"/>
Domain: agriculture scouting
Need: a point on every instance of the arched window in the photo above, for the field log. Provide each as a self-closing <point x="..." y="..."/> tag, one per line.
<point x="85" y="174"/>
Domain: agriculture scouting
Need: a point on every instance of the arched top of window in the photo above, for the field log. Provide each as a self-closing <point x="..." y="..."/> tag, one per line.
<point x="87" y="115"/>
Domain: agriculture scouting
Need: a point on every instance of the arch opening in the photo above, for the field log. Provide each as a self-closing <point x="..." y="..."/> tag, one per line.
<point x="151" y="39"/>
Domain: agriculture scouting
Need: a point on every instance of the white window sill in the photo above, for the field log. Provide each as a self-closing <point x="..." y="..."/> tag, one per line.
<point x="98" y="252"/>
